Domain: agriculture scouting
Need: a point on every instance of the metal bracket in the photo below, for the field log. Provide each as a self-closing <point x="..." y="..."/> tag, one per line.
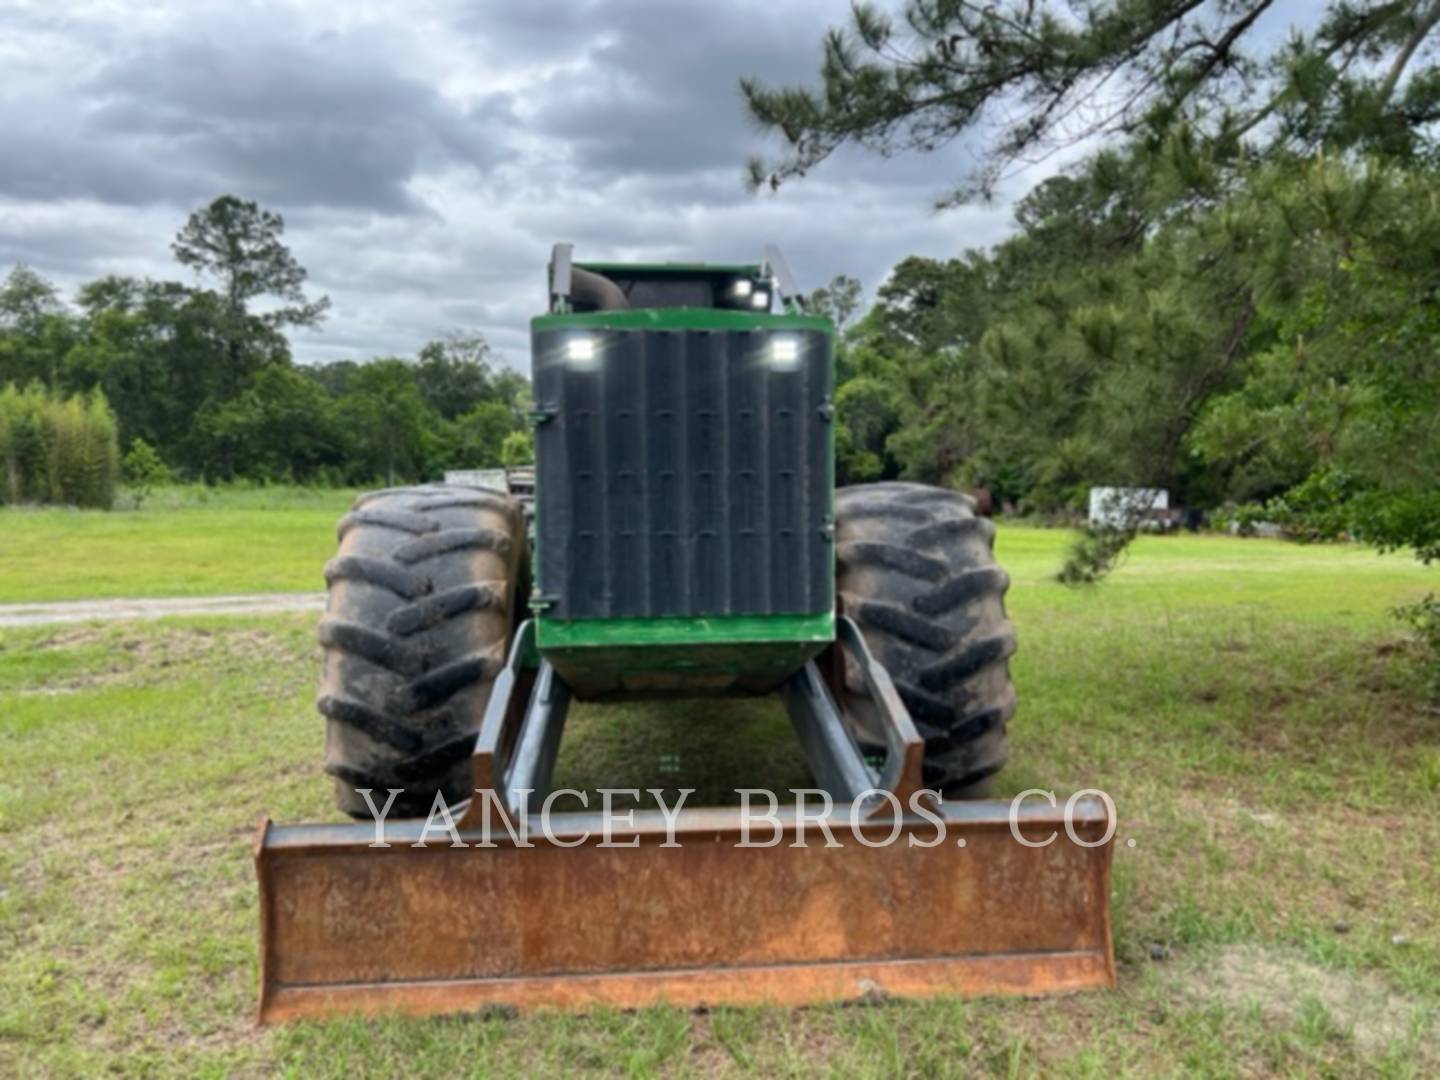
<point x="903" y="771"/>
<point x="827" y="739"/>
<point x="830" y="749"/>
<point x="520" y="733"/>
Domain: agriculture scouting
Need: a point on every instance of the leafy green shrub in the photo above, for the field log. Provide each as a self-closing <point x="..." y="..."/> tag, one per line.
<point x="518" y="449"/>
<point x="1423" y="617"/>
<point x="143" y="471"/>
<point x="142" y="466"/>
<point x="1247" y="518"/>
<point x="1094" y="553"/>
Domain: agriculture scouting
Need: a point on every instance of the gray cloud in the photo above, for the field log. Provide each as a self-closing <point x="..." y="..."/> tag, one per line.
<point x="327" y="121"/>
<point x="658" y="90"/>
<point x="426" y="157"/>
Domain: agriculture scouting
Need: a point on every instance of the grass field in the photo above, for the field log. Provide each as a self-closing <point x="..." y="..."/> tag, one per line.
<point x="182" y="542"/>
<point x="1249" y="705"/>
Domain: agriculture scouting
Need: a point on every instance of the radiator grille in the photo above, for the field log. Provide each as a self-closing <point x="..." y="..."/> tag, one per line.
<point x="683" y="473"/>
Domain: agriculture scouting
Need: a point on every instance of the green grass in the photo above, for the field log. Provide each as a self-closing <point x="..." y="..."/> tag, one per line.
<point x="191" y="541"/>
<point x="1250" y="706"/>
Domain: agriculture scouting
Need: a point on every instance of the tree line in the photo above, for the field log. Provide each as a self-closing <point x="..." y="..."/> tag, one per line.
<point x="200" y="377"/>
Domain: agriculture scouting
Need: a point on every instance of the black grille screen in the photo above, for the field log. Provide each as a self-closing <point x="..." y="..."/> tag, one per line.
<point x="683" y="472"/>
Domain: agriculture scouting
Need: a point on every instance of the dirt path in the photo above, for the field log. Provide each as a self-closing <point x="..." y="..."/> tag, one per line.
<point x="115" y="610"/>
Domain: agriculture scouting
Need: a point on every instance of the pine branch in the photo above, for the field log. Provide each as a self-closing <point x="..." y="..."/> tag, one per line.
<point x="1423" y="26"/>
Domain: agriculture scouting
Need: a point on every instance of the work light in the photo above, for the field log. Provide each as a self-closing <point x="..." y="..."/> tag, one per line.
<point x="580" y="350"/>
<point x="784" y="352"/>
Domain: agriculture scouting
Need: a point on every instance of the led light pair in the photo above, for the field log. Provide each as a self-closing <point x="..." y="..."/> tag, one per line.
<point x="759" y="298"/>
<point x="784" y="351"/>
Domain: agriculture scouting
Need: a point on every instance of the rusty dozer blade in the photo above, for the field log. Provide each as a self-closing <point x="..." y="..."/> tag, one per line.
<point x="580" y="910"/>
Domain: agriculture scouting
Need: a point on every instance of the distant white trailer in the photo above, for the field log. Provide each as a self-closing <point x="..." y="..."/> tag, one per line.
<point x="494" y="479"/>
<point x="1119" y="506"/>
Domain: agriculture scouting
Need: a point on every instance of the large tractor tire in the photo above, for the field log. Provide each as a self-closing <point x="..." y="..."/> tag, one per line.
<point x="917" y="573"/>
<point x="422" y="597"/>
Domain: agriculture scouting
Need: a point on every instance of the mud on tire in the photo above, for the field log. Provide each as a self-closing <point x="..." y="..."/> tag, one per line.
<point x="421" y="598"/>
<point x="917" y="573"/>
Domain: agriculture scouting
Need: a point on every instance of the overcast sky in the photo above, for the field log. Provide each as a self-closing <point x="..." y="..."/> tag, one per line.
<point x="426" y="155"/>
